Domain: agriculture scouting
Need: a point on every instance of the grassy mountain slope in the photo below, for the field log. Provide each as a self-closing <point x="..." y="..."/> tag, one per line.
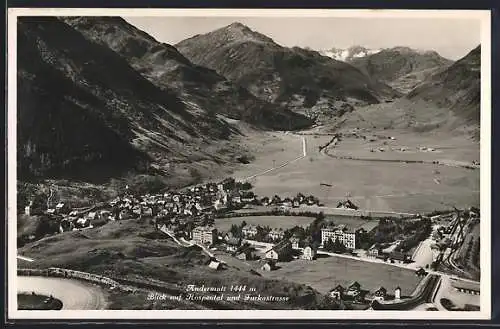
<point x="447" y="101"/>
<point x="457" y="87"/>
<point x="84" y="111"/>
<point x="401" y="67"/>
<point x="164" y="66"/>
<point x="134" y="250"/>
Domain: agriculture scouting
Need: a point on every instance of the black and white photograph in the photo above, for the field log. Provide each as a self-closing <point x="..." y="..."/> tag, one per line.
<point x="249" y="164"/>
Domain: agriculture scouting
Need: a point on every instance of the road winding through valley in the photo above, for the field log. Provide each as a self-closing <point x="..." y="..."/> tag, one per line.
<point x="323" y="209"/>
<point x="74" y="294"/>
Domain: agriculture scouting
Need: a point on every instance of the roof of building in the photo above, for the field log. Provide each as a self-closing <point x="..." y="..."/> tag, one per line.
<point x="214" y="265"/>
<point x="347" y="203"/>
<point x="338" y="288"/>
<point x="459" y="284"/>
<point x="276" y="231"/>
<point x="354" y="284"/>
<point x="397" y="255"/>
<point x="330" y="227"/>
<point x="245" y="248"/>
<point x="205" y="228"/>
<point x="369" y="225"/>
<point x="281" y="245"/>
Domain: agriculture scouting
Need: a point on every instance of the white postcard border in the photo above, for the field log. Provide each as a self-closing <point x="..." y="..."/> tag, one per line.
<point x="485" y="174"/>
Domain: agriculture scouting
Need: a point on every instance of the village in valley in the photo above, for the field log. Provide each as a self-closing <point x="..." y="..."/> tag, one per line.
<point x="264" y="171"/>
<point x="236" y="227"/>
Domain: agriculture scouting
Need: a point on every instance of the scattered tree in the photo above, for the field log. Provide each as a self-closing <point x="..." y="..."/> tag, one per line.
<point x="339" y="247"/>
<point x="328" y="245"/>
<point x="236" y="231"/>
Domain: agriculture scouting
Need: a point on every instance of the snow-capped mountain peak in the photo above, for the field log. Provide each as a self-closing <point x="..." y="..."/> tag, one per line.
<point x="348" y="54"/>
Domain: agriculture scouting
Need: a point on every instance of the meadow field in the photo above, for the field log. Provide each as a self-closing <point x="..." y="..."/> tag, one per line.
<point x="443" y="147"/>
<point x="284" y="222"/>
<point x="270" y="149"/>
<point x="324" y="273"/>
<point x="376" y="186"/>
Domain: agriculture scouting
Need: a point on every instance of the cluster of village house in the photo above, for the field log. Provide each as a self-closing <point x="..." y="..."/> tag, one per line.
<point x="196" y="203"/>
<point x="192" y="203"/>
<point x="284" y="249"/>
<point x="389" y="254"/>
<point x="354" y="292"/>
<point x="180" y="207"/>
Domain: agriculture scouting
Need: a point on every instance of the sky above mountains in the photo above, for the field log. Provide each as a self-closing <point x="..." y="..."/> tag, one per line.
<point x="452" y="38"/>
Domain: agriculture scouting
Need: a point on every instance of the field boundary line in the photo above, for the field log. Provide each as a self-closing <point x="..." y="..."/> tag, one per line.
<point x="304" y="154"/>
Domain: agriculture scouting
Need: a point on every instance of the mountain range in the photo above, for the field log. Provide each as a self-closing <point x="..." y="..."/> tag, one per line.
<point x="98" y="102"/>
<point x="296" y="77"/>
<point x="166" y="68"/>
<point x="446" y="100"/>
<point x="457" y="87"/>
<point x="97" y="96"/>
<point x="401" y="67"/>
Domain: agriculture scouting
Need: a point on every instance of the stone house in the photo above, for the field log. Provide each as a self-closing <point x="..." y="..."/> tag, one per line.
<point x="309" y="253"/>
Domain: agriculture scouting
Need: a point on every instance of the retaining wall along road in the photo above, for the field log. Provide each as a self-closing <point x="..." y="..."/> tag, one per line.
<point x="122" y="283"/>
<point x="71" y="274"/>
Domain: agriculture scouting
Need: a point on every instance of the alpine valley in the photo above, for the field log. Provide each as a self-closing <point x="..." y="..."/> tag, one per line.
<point x="280" y="177"/>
